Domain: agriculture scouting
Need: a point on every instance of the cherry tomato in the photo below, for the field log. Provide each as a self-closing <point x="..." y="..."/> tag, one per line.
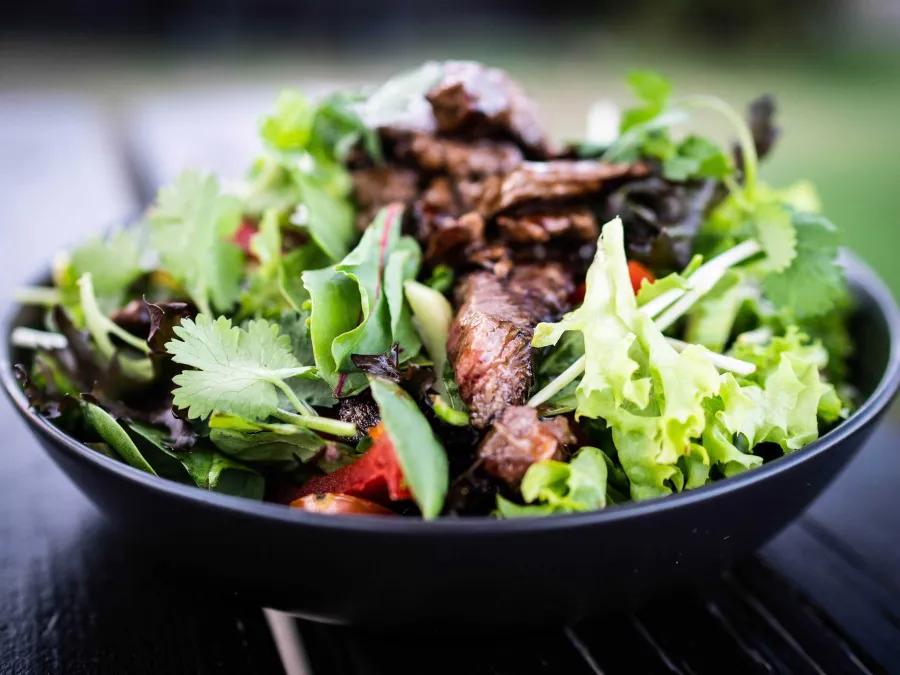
<point x="335" y="503"/>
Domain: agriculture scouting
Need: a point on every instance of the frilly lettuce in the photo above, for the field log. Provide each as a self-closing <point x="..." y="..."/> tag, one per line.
<point x="673" y="417"/>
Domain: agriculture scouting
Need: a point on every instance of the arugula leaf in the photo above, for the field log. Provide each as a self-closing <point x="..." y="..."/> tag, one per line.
<point x="420" y="453"/>
<point x="189" y="227"/>
<point x="560" y="487"/>
<point x="814" y="283"/>
<point x="238" y="371"/>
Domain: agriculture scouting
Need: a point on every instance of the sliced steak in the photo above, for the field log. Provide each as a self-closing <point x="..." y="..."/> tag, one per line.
<point x="539" y="228"/>
<point x="556" y="181"/>
<point x="518" y="439"/>
<point x="378" y="186"/>
<point x="475" y="101"/>
<point x="490" y="339"/>
<point x="460" y="159"/>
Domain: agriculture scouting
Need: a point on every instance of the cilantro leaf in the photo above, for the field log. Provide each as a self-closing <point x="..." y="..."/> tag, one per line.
<point x="190" y="226"/>
<point x="238" y="371"/>
<point x="653" y="90"/>
<point x="814" y="282"/>
<point x="694" y="158"/>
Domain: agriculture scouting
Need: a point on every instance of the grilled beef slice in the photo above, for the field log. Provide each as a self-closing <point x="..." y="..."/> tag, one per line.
<point x="557" y="181"/>
<point x="475" y="101"/>
<point x="518" y="439"/>
<point x="490" y="339"/>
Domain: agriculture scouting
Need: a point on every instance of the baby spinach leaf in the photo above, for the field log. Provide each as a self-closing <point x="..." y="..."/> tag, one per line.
<point x="113" y="433"/>
<point x="259" y="442"/>
<point x="419" y="452"/>
<point x="204" y="467"/>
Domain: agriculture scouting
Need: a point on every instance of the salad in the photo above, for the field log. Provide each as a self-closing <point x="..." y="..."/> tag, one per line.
<point x="416" y="304"/>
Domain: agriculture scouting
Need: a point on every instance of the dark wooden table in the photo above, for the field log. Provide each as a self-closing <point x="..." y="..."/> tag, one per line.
<point x="75" y="597"/>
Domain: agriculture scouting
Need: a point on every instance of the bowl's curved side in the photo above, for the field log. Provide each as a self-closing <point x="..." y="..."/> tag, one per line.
<point x="393" y="570"/>
<point x="515" y="577"/>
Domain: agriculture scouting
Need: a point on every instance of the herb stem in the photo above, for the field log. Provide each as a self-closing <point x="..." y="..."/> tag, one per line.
<point x="745" y="138"/>
<point x="558" y="384"/>
<point x="318" y="423"/>
<point x="300" y="406"/>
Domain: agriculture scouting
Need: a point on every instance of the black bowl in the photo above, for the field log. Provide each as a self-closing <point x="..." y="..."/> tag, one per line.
<point x="477" y="572"/>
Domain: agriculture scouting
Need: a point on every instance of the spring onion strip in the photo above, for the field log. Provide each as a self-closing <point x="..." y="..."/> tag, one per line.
<point x="667" y="308"/>
<point x="720" y="361"/>
<point x="29" y="338"/>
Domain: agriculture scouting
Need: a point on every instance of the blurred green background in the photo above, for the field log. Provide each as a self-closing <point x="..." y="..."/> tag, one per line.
<point x="834" y="68"/>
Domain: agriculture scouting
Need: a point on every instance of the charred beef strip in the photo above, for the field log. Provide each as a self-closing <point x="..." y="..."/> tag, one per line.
<point x="518" y="439"/>
<point x="377" y="186"/>
<point x="460" y="159"/>
<point x="490" y="339"/>
<point x="575" y="222"/>
<point x="556" y="181"/>
<point x="475" y="101"/>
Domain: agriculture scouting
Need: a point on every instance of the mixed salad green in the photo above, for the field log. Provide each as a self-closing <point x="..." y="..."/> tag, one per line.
<point x="257" y="343"/>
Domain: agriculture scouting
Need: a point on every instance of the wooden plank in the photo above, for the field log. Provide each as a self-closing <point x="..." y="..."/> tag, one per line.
<point x="75" y="597"/>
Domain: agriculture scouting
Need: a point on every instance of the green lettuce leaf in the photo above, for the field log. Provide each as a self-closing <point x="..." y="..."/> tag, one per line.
<point x="649" y="394"/>
<point x="560" y="487"/>
<point x="359" y="307"/>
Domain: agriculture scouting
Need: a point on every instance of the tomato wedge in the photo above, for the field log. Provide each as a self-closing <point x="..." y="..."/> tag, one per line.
<point x="244" y="235"/>
<point x="637" y="272"/>
<point x="376" y="475"/>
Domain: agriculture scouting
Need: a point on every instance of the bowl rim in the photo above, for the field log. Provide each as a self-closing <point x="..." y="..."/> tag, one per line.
<point x="859" y="275"/>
